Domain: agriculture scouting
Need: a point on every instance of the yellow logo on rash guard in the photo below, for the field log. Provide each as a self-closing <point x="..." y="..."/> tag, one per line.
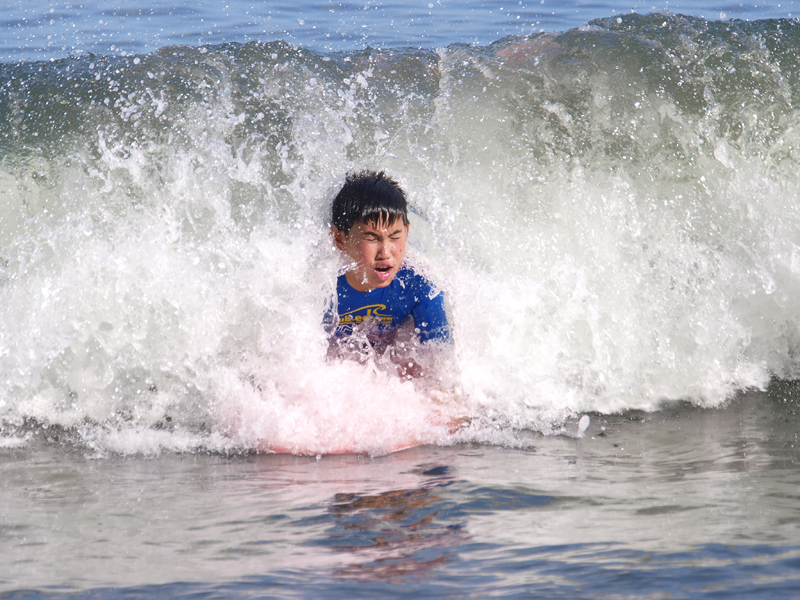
<point x="372" y="314"/>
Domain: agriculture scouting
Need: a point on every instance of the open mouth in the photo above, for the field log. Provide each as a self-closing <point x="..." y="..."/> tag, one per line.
<point x="383" y="272"/>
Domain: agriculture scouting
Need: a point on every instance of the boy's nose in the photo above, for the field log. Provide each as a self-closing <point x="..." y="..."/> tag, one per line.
<point x="383" y="248"/>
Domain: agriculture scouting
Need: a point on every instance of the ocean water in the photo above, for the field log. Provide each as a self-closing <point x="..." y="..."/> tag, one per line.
<point x="608" y="196"/>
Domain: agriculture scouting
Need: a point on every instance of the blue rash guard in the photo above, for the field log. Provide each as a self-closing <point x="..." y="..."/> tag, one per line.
<point x="385" y="309"/>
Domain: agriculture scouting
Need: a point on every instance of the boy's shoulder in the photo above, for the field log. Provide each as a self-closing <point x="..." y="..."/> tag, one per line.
<point x="414" y="281"/>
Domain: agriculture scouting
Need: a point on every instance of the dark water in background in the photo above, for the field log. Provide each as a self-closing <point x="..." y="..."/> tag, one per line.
<point x="612" y="211"/>
<point x="34" y="30"/>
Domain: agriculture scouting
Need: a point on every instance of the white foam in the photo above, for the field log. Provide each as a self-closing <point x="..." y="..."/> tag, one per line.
<point x="170" y="295"/>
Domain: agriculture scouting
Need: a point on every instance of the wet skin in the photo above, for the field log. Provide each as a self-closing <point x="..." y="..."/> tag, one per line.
<point x="376" y="251"/>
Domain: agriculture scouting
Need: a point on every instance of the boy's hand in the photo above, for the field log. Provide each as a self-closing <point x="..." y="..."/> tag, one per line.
<point x="407" y="367"/>
<point x="398" y="353"/>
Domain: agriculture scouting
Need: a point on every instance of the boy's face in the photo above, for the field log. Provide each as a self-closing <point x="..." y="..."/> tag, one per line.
<point x="376" y="250"/>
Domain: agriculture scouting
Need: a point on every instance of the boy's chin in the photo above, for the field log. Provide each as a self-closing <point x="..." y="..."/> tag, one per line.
<point x="374" y="285"/>
<point x="371" y="282"/>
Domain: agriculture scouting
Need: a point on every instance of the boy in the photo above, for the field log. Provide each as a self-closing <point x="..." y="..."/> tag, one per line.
<point x="379" y="296"/>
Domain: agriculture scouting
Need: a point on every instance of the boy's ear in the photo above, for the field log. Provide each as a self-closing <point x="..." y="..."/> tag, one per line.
<point x="339" y="237"/>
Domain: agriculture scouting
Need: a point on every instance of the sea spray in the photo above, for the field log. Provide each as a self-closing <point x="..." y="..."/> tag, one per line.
<point x="611" y="212"/>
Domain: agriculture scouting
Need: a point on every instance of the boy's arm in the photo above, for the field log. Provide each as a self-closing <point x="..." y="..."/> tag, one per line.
<point x="430" y="325"/>
<point x="430" y="320"/>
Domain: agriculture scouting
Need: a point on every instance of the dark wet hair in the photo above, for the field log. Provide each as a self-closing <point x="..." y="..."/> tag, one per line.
<point x="369" y="197"/>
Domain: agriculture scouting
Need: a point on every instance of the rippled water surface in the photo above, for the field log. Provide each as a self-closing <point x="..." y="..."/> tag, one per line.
<point x="678" y="503"/>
